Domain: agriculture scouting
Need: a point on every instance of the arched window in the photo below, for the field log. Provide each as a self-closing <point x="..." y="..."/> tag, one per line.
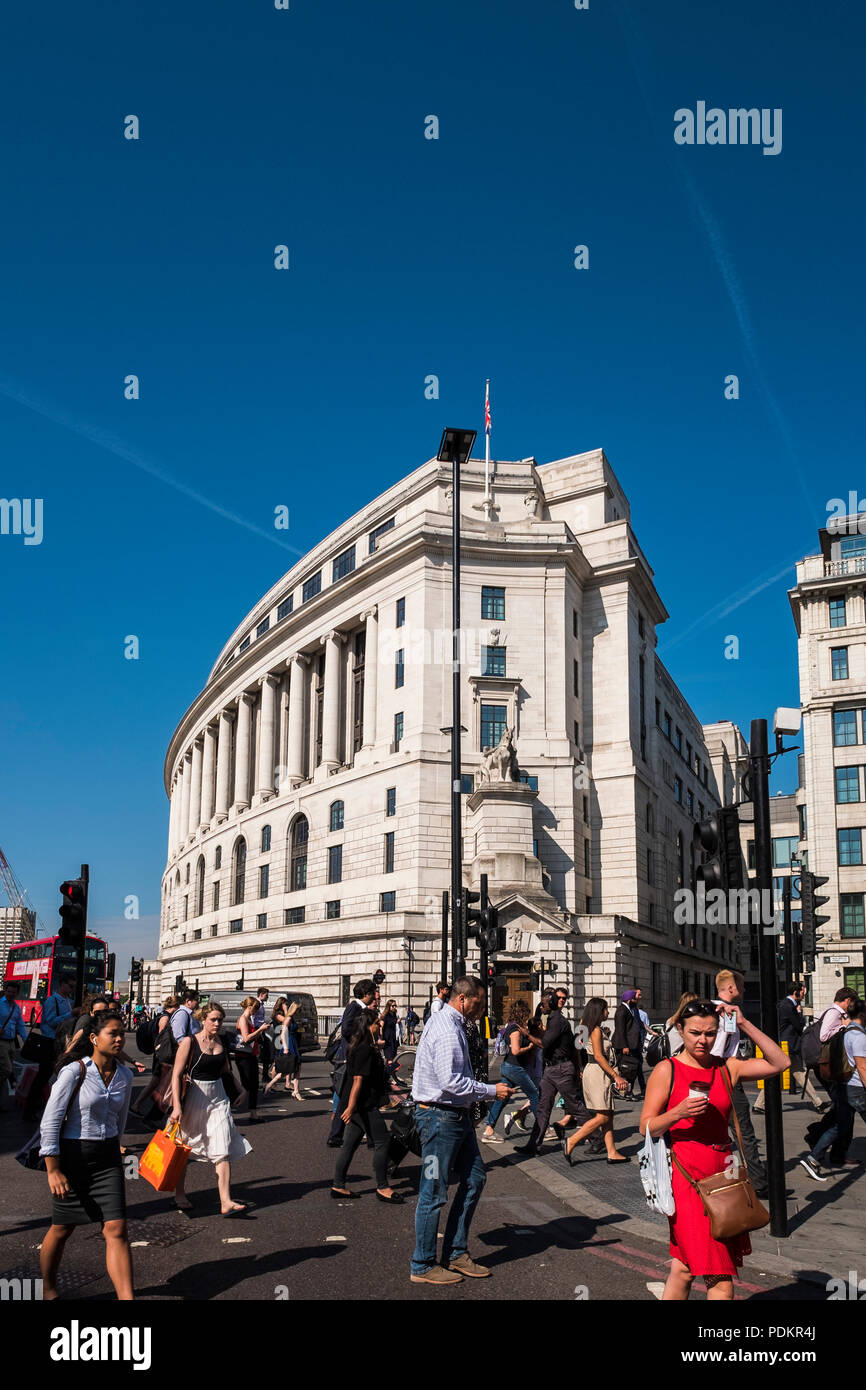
<point x="266" y="838"/>
<point x="199" y="887"/>
<point x="336" y="815"/>
<point x="239" y="873"/>
<point x="300" y="838"/>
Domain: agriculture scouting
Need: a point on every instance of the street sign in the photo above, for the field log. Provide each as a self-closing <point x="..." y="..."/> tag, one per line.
<point x="379" y="977"/>
<point x="837" y="960"/>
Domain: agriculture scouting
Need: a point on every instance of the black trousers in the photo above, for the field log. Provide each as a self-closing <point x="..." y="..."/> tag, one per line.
<point x="364" y="1124"/>
<point x="751" y="1153"/>
<point x="248" y="1070"/>
<point x="560" y="1078"/>
<point x="267" y="1050"/>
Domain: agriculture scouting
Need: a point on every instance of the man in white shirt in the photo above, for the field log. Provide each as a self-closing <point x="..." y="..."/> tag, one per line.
<point x="442" y="992"/>
<point x="832" y="1019"/>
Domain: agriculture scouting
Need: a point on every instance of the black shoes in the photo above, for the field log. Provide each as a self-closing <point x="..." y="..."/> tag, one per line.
<point x="334" y="1143"/>
<point x="395" y="1199"/>
<point x="344" y="1196"/>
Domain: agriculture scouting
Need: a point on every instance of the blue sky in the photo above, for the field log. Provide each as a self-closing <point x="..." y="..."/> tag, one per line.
<point x="408" y="257"/>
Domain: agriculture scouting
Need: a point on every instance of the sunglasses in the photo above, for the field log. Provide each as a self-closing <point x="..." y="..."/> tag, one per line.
<point x="699" y="1008"/>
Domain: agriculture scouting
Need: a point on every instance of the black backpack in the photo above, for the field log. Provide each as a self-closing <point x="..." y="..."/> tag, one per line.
<point x="334" y="1043"/>
<point x="428" y="1009"/>
<point x="810" y="1044"/>
<point x="145" y="1036"/>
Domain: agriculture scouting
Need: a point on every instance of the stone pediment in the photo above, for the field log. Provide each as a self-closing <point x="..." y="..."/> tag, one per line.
<point x="525" y="918"/>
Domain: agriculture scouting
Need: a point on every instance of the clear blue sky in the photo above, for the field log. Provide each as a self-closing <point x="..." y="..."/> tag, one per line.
<point x="408" y="257"/>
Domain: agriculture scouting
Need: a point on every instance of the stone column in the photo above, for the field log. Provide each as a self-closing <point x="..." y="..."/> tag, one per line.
<point x="242" y="754"/>
<point x="371" y="675"/>
<point x="185" y="771"/>
<point x="331" y="710"/>
<point x="208" y="775"/>
<point x="295" y="750"/>
<point x="172" y="819"/>
<point x="265" y="776"/>
<point x="224" y="766"/>
<point x="195" y="790"/>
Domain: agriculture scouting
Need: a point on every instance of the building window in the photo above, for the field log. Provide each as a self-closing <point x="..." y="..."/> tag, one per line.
<point x="837" y="612"/>
<point x="264" y="879"/>
<point x="649" y="866"/>
<point x="844" y="727"/>
<point x="575" y="677"/>
<point x="294" y="915"/>
<point x="493" y="660"/>
<point x="285" y="608"/>
<point x="387" y="901"/>
<point x="199" y="894"/>
<point x="266" y="839"/>
<point x="239" y="874"/>
<point x="575" y="631"/>
<point x="186" y="907"/>
<point x="379" y="531"/>
<point x="641" y="631"/>
<point x="588" y="904"/>
<point x="688" y="753"/>
<point x="261" y="921"/>
<point x="700" y="810"/>
<point x="750" y="854"/>
<point x="335" y="863"/>
<point x="391" y="801"/>
<point x="332" y="909"/>
<point x="586" y="809"/>
<point x="359" y="658"/>
<point x="214" y="929"/>
<point x="681" y="859"/>
<point x="690" y="801"/>
<point x="196" y="936"/>
<point x="263" y="627"/>
<point x="336" y="817"/>
<point x="650" y="820"/>
<point x="389" y="852"/>
<point x="784" y="850"/>
<point x="400" y="616"/>
<point x="216" y="895"/>
<point x="492" y="602"/>
<point x="319" y="695"/>
<point x="300" y="841"/>
<point x="652" y="914"/>
<point x="492" y="724"/>
<point x="311" y="586"/>
<point x="850" y="846"/>
<point x="802" y="812"/>
<point x="399" y="670"/>
<point x="467" y="783"/>
<point x="678" y="740"/>
<point x="678" y="789"/>
<point x="577" y="732"/>
<point x="218" y="857"/>
<point x="667" y="725"/>
<point x="344" y="564"/>
<point x="853" y="914"/>
<point x="236" y="927"/>
<point x="586" y="864"/>
<point x="244" y="644"/>
<point x="398" y="730"/>
<point x="529" y="780"/>
<point x="847" y="784"/>
<point x="186" y="879"/>
<point x="839" y="663"/>
<point x="658" y="715"/>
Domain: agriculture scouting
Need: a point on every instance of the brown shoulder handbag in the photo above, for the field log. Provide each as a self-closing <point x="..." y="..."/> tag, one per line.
<point x="729" y="1202"/>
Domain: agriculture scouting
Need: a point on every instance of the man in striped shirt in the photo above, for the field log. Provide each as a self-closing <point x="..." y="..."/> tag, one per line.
<point x="443" y="1088"/>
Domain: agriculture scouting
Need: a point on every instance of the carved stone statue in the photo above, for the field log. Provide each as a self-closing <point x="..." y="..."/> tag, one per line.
<point x="499" y="764"/>
<point x="530" y="502"/>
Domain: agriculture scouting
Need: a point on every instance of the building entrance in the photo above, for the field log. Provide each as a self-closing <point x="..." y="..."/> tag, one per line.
<point x="511" y="984"/>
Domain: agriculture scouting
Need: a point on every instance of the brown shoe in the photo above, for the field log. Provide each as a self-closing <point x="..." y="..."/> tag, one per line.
<point x="464" y="1265"/>
<point x="436" y="1275"/>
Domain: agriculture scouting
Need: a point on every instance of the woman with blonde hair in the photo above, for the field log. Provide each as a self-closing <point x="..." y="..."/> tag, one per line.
<point x="202" y="1107"/>
<point x="247" y="1051"/>
<point x="288" y="1060"/>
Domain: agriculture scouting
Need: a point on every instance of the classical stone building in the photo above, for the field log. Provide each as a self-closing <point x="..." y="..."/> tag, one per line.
<point x="828" y="606"/>
<point x="309" y="782"/>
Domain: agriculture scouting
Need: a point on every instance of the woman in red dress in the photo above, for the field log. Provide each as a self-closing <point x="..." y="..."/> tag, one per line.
<point x="687" y="1098"/>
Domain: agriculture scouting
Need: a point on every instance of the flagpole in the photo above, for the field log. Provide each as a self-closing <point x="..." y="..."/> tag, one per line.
<point x="486" y="444"/>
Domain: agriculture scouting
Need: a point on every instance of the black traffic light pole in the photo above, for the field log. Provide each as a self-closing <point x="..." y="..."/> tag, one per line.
<point x="82" y="949"/>
<point x="444" y="963"/>
<point x="456" y="806"/>
<point x="788" y="953"/>
<point x="760" y="787"/>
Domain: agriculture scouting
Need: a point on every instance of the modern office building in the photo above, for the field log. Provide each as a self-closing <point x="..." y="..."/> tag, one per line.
<point x="828" y="607"/>
<point x="16" y="924"/>
<point x="309" y="781"/>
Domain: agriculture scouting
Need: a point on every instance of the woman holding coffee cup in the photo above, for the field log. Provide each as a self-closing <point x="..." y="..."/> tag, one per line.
<point x="689" y="1099"/>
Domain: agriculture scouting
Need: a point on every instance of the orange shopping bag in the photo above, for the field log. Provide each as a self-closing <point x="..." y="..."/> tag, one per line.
<point x="164" y="1159"/>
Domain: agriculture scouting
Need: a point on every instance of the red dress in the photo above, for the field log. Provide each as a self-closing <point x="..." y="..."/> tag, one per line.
<point x="702" y="1146"/>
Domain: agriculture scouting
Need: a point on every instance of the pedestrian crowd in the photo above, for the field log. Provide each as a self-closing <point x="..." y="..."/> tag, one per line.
<point x="694" y="1111"/>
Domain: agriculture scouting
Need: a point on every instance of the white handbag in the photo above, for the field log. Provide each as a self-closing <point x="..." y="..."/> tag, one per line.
<point x="655" y="1175"/>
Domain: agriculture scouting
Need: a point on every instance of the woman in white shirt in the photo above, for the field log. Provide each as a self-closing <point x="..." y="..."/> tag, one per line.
<point x="80" y="1134"/>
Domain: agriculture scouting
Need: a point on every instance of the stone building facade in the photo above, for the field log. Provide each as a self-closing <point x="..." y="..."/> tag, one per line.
<point x="829" y="608"/>
<point x="309" y="781"/>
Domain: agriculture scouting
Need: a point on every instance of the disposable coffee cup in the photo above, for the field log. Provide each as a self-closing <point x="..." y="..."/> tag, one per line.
<point x="699" y="1090"/>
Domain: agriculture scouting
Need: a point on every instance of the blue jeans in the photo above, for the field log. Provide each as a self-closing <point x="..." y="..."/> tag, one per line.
<point x="449" y="1149"/>
<point x="515" y="1075"/>
<point x="848" y="1101"/>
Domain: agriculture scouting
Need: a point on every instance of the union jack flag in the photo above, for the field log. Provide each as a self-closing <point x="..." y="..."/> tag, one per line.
<point x="487" y="410"/>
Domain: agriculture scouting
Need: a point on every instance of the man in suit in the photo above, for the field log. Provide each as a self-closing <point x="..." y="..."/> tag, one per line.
<point x="791" y="1028"/>
<point x="364" y="993"/>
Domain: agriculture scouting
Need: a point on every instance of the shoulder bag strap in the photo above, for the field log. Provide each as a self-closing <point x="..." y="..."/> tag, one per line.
<point x="7" y="1019"/>
<point x="730" y="1090"/>
<point x="82" y="1072"/>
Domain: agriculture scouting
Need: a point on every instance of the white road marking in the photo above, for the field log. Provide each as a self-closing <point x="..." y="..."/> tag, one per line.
<point x="335" y="1240"/>
<point x="656" y="1289"/>
<point x="137" y="1244"/>
<point x="236" y="1240"/>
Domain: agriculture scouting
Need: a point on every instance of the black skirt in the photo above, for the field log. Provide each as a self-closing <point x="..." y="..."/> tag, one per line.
<point x="94" y="1170"/>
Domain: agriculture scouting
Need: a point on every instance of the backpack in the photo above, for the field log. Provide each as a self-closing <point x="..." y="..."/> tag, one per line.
<point x="428" y="1009"/>
<point x="502" y="1046"/>
<point x="145" y="1036"/>
<point x="334" y="1043"/>
<point x="658" y="1049"/>
<point x="810" y="1044"/>
<point x="834" y="1064"/>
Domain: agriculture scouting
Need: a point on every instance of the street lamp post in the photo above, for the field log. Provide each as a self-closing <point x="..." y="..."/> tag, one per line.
<point x="455" y="448"/>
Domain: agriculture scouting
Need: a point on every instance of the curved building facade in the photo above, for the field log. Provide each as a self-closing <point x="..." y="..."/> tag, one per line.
<point x="309" y="782"/>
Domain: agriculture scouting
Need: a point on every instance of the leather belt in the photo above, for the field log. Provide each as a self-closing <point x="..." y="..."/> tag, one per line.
<point x="438" y="1105"/>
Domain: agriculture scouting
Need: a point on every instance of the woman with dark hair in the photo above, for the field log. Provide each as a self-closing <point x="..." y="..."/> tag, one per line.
<point x="689" y="1098"/>
<point x="600" y="1080"/>
<point x="389" y="1033"/>
<point x="365" y="1089"/>
<point x="81" y="1130"/>
<point x="517" y="1066"/>
<point x="288" y="1049"/>
<point x="163" y="1057"/>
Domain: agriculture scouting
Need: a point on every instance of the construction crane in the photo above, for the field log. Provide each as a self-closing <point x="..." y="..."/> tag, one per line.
<point x="16" y="895"/>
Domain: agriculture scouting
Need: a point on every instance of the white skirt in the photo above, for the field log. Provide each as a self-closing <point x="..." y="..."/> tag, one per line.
<point x="207" y="1124"/>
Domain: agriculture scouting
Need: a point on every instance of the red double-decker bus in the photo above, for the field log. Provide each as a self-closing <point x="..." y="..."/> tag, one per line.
<point x="35" y="967"/>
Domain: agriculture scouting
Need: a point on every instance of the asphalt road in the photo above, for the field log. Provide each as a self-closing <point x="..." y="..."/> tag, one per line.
<point x="300" y="1244"/>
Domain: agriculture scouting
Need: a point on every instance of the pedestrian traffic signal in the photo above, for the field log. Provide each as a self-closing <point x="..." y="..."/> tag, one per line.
<point x="718" y="841"/>
<point x="73" y="912"/>
<point x="812" y="919"/>
<point x="491" y="975"/>
<point x="135" y="971"/>
<point x="534" y="980"/>
<point x="471" y="917"/>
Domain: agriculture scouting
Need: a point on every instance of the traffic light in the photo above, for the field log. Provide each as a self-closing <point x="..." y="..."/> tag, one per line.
<point x="490" y="931"/>
<point x="811" y="919"/>
<point x="471" y="918"/>
<point x="134" y="971"/>
<point x="109" y="969"/>
<point x="73" y="912"/>
<point x="491" y="976"/>
<point x="718" y="840"/>
<point x="534" y="980"/>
